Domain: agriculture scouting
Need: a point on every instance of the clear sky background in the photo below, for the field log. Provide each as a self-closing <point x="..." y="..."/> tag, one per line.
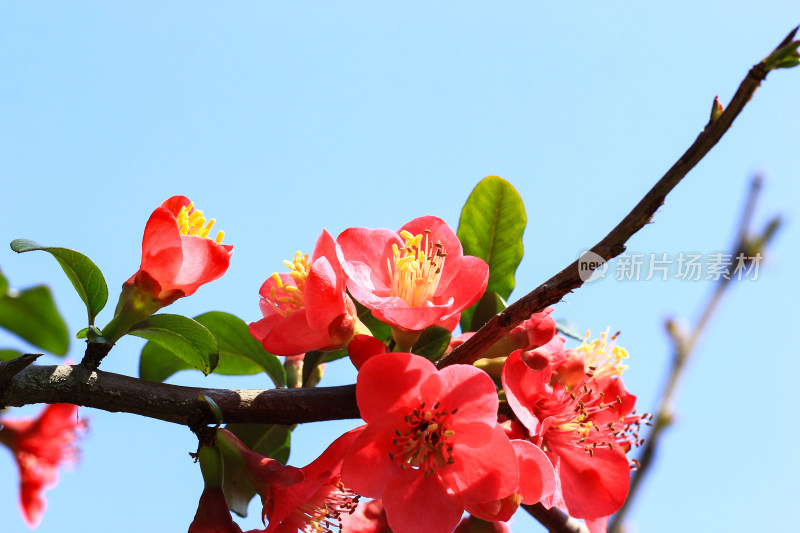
<point x="280" y="119"/>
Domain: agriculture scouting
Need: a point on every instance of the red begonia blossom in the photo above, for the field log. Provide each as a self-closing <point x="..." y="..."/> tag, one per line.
<point x="369" y="517"/>
<point x="414" y="278"/>
<point x="178" y="256"/>
<point x="431" y="445"/>
<point x="471" y="524"/>
<point x="307" y="308"/>
<point x="577" y="409"/>
<point x="40" y="446"/>
<point x="364" y="347"/>
<point x="536" y="481"/>
<point x="212" y="514"/>
<point x="311" y="498"/>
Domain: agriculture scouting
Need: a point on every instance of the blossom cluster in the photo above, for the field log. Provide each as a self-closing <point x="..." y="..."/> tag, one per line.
<point x="433" y="444"/>
<point x="532" y="422"/>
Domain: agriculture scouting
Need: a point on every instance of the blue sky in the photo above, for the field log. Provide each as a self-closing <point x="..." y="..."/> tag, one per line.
<point x="282" y="119"/>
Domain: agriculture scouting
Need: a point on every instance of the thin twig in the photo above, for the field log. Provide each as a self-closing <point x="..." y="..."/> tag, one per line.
<point x="613" y="244"/>
<point x="555" y="520"/>
<point x="683" y="346"/>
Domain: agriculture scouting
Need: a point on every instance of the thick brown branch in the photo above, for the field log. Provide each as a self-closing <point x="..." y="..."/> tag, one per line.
<point x="172" y="403"/>
<point x="613" y="244"/>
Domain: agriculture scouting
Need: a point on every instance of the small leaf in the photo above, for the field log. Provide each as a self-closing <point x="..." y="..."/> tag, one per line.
<point x="311" y="361"/>
<point x="215" y="409"/>
<point x="432" y="343"/>
<point x="3" y="284"/>
<point x="32" y="315"/>
<point x="270" y="440"/>
<point x="379" y="330"/>
<point x="491" y="226"/>
<point x="8" y="355"/>
<point x="568" y="328"/>
<point x="487" y="307"/>
<point x="239" y="353"/>
<point x="185" y="338"/>
<point x="81" y="271"/>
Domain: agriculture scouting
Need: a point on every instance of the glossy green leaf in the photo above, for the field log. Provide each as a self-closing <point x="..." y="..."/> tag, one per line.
<point x="432" y="343"/>
<point x="491" y="226"/>
<point x="183" y="337"/>
<point x="8" y="355"/>
<point x="32" y="315"/>
<point x="487" y="307"/>
<point x="379" y="330"/>
<point x="81" y="271"/>
<point x="239" y="353"/>
<point x="3" y="284"/>
<point x="270" y="440"/>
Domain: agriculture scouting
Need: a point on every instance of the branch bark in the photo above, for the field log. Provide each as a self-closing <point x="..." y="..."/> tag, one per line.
<point x="172" y="403"/>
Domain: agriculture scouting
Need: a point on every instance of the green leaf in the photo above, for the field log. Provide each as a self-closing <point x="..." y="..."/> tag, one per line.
<point x="568" y="328"/>
<point x="8" y="355"/>
<point x="81" y="271"/>
<point x="32" y="315"/>
<point x="3" y="284"/>
<point x="239" y="353"/>
<point x="487" y="307"/>
<point x="270" y="440"/>
<point x="432" y="343"/>
<point x="491" y="226"/>
<point x="182" y="336"/>
<point x="379" y="330"/>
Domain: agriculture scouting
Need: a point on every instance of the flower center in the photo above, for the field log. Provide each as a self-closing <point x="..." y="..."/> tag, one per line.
<point x="323" y="511"/>
<point x="602" y="356"/>
<point x="416" y="269"/>
<point x="426" y="442"/>
<point x="191" y="222"/>
<point x="287" y="299"/>
<point x="579" y="411"/>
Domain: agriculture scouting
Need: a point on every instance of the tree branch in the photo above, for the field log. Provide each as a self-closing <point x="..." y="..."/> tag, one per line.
<point x="613" y="244"/>
<point x="172" y="403"/>
<point x="683" y="344"/>
<point x="111" y="392"/>
<point x="555" y="520"/>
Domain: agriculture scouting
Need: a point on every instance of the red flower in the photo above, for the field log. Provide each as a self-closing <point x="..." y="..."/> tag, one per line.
<point x="311" y="498"/>
<point x="178" y="256"/>
<point x="306" y="309"/>
<point x="470" y="524"/>
<point x="212" y="514"/>
<point x="369" y="517"/>
<point x="431" y="445"/>
<point x="577" y="409"/>
<point x="40" y="446"/>
<point x="414" y="278"/>
<point x="536" y="481"/>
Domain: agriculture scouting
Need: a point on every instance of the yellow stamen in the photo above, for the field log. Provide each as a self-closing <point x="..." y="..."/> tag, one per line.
<point x="416" y="269"/>
<point x="191" y="222"/>
<point x="286" y="299"/>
